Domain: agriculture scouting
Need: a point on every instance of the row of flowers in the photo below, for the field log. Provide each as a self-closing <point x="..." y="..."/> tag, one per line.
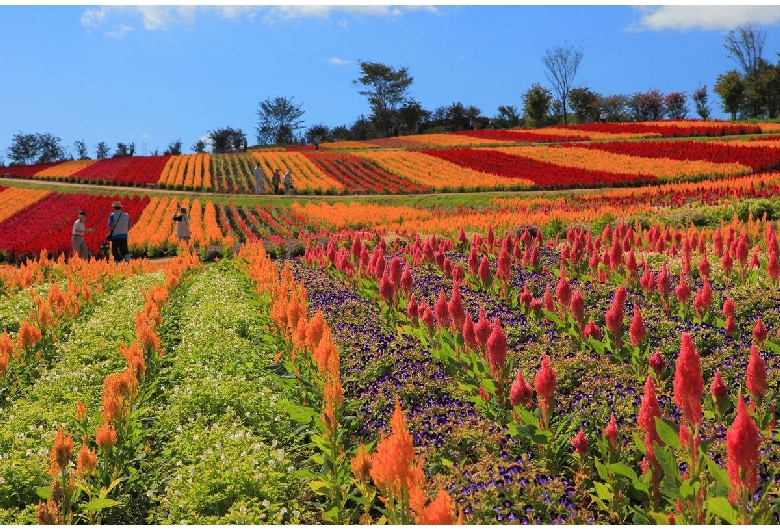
<point x="189" y="172"/>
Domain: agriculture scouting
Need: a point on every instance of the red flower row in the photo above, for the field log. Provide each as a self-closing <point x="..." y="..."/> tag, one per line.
<point x="543" y="174"/>
<point x="360" y="174"/>
<point x="522" y="136"/>
<point x="132" y="171"/>
<point x="26" y="171"/>
<point x="48" y="224"/>
<point x="759" y="158"/>
<point x="711" y="128"/>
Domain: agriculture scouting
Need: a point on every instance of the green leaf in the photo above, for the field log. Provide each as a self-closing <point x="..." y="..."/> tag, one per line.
<point x="720" y="475"/>
<point x="542" y="437"/>
<point x="659" y="518"/>
<point x="622" y="469"/>
<point x="597" y="345"/>
<point x="320" y="487"/>
<point x="603" y="491"/>
<point x="667" y="433"/>
<point x="95" y="505"/>
<point x="44" y="492"/>
<point x="447" y="463"/>
<point x="720" y="507"/>
<point x="772" y="346"/>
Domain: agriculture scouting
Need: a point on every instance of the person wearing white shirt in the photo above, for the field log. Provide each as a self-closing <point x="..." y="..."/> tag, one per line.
<point x="77" y="236"/>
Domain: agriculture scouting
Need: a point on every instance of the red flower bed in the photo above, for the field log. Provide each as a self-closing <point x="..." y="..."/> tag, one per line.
<point x="543" y="174"/>
<point x="25" y="171"/>
<point x="710" y="128"/>
<point x="48" y="224"/>
<point x="360" y="174"/>
<point x="522" y="136"/>
<point x="130" y="170"/>
<point x="758" y="158"/>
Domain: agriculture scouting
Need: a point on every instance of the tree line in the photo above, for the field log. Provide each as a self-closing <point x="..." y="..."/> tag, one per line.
<point x="753" y="92"/>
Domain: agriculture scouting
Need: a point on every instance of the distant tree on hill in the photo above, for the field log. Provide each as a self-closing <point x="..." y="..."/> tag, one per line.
<point x="537" y="102"/>
<point x="616" y="107"/>
<point x="731" y="89"/>
<point x="385" y="88"/>
<point x="412" y="116"/>
<point x="700" y="98"/>
<point x="676" y="106"/>
<point x="584" y="104"/>
<point x="199" y="146"/>
<point x="361" y="129"/>
<point x="278" y="119"/>
<point x="81" y="150"/>
<point x="508" y="116"/>
<point x="760" y="91"/>
<point x="227" y="140"/>
<point x="102" y="150"/>
<point x="317" y="133"/>
<point x="746" y="46"/>
<point x="174" y="148"/>
<point x="35" y="148"/>
<point x="340" y="133"/>
<point x="472" y="113"/>
<point x="123" y="149"/>
<point x="646" y="106"/>
<point x="561" y="65"/>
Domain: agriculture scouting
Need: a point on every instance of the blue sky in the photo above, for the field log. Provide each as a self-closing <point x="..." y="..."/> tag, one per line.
<point x="154" y="74"/>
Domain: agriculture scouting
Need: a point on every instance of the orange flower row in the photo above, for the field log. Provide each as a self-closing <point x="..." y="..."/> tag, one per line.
<point x="663" y="168"/>
<point x="13" y="200"/>
<point x="353" y="214"/>
<point x="192" y="172"/>
<point x="65" y="169"/>
<point x="305" y="174"/>
<point x="437" y="173"/>
<point x="596" y="135"/>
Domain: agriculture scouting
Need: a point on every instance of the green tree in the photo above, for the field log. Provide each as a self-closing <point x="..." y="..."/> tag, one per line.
<point x="103" y="150"/>
<point x="278" y="119"/>
<point x="81" y="150"/>
<point x="361" y="129"/>
<point x="227" y="140"/>
<point x="317" y="133"/>
<point x="340" y="133"/>
<point x="746" y="46"/>
<point x="35" y="148"/>
<point x="646" y="106"/>
<point x="385" y="88"/>
<point x="700" y="99"/>
<point x="615" y="107"/>
<point x="731" y="89"/>
<point x="123" y="149"/>
<point x="508" y="116"/>
<point x="561" y="65"/>
<point x="412" y="116"/>
<point x="676" y="106"/>
<point x="585" y="104"/>
<point x="174" y="148"/>
<point x="199" y="146"/>
<point x="537" y="102"/>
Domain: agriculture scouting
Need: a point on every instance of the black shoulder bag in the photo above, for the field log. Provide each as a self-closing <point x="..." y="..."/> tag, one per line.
<point x="110" y="235"/>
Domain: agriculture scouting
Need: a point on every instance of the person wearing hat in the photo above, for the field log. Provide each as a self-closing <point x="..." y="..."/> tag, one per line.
<point x="77" y="235"/>
<point x="183" y="224"/>
<point x="276" y="180"/>
<point x="119" y="222"/>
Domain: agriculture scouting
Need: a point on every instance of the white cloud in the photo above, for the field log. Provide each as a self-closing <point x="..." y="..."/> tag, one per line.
<point x="93" y="17"/>
<point x="709" y="17"/>
<point x="120" y="32"/>
<point x="336" y="61"/>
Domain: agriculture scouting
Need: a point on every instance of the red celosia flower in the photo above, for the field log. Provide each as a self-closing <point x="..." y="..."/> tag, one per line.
<point x="411" y="308"/>
<point x="648" y="411"/>
<point x="718" y="388"/>
<point x="664" y="282"/>
<point x="756" y="373"/>
<point x="592" y="330"/>
<point x="544" y="383"/>
<point x="407" y="281"/>
<point x="703" y="299"/>
<point x="521" y="392"/>
<point x="469" y="337"/>
<point x="485" y="275"/>
<point x="759" y="332"/>
<point x="743" y="450"/>
<point x="689" y="381"/>
<point x="396" y="270"/>
<point x="455" y="307"/>
<point x="637" y="329"/>
<point x="727" y="262"/>
<point x="682" y="291"/>
<point x="704" y="266"/>
<point x="578" y="308"/>
<point x="611" y="432"/>
<point x="483" y="328"/>
<point x="742" y="249"/>
<point x="386" y="288"/>
<point x="580" y="443"/>
<point x="526" y="297"/>
<point x="657" y="363"/>
<point x="728" y="307"/>
<point x="549" y="303"/>
<point x="504" y="262"/>
<point x="473" y="261"/>
<point x="773" y="266"/>
<point x="731" y="325"/>
<point x="442" y="313"/>
<point x="563" y="290"/>
<point x="428" y="318"/>
<point x="496" y="349"/>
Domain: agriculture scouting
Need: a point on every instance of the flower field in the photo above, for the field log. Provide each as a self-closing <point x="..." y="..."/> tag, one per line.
<point x="602" y="356"/>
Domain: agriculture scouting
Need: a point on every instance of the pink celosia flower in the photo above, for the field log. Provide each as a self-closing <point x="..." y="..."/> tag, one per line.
<point x="773" y="266"/>
<point x="578" y="308"/>
<point x="759" y="332"/>
<point x="496" y="348"/>
<point x="483" y="329"/>
<point x="549" y="303"/>
<point x="756" y="373"/>
<point x="682" y="291"/>
<point x="704" y="266"/>
<point x="407" y="281"/>
<point x="521" y="392"/>
<point x="689" y="381"/>
<point x="455" y="307"/>
<point x="580" y="443"/>
<point x="469" y="338"/>
<point x="718" y="388"/>
<point x="636" y="329"/>
<point x="728" y="307"/>
<point x="592" y="330"/>
<point x="544" y="383"/>
<point x="611" y="432"/>
<point x="657" y="363"/>
<point x="442" y="313"/>
<point x="563" y="290"/>
<point x="485" y="275"/>
<point x="411" y="308"/>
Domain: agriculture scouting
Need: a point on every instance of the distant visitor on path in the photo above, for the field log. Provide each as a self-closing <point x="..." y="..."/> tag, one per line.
<point x="603" y="117"/>
<point x="289" y="189"/>
<point x="79" y="229"/>
<point x="276" y="180"/>
<point x="183" y="224"/>
<point x="119" y="223"/>
<point x="259" y="178"/>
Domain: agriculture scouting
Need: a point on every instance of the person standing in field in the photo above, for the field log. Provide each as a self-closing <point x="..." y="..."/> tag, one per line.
<point x="276" y="180"/>
<point x="288" y="183"/>
<point x="259" y="178"/>
<point x="119" y="222"/>
<point x="183" y="224"/>
<point x="79" y="229"/>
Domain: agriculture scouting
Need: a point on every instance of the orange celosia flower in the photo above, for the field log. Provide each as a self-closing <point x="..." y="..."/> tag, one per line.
<point x="29" y="335"/>
<point x="135" y="359"/>
<point x="105" y="437"/>
<point x="361" y="465"/>
<point x="81" y="411"/>
<point x="118" y="390"/>
<point x="315" y="330"/>
<point x="440" y="510"/>
<point x="393" y="469"/>
<point x="60" y="452"/>
<point x="86" y="463"/>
